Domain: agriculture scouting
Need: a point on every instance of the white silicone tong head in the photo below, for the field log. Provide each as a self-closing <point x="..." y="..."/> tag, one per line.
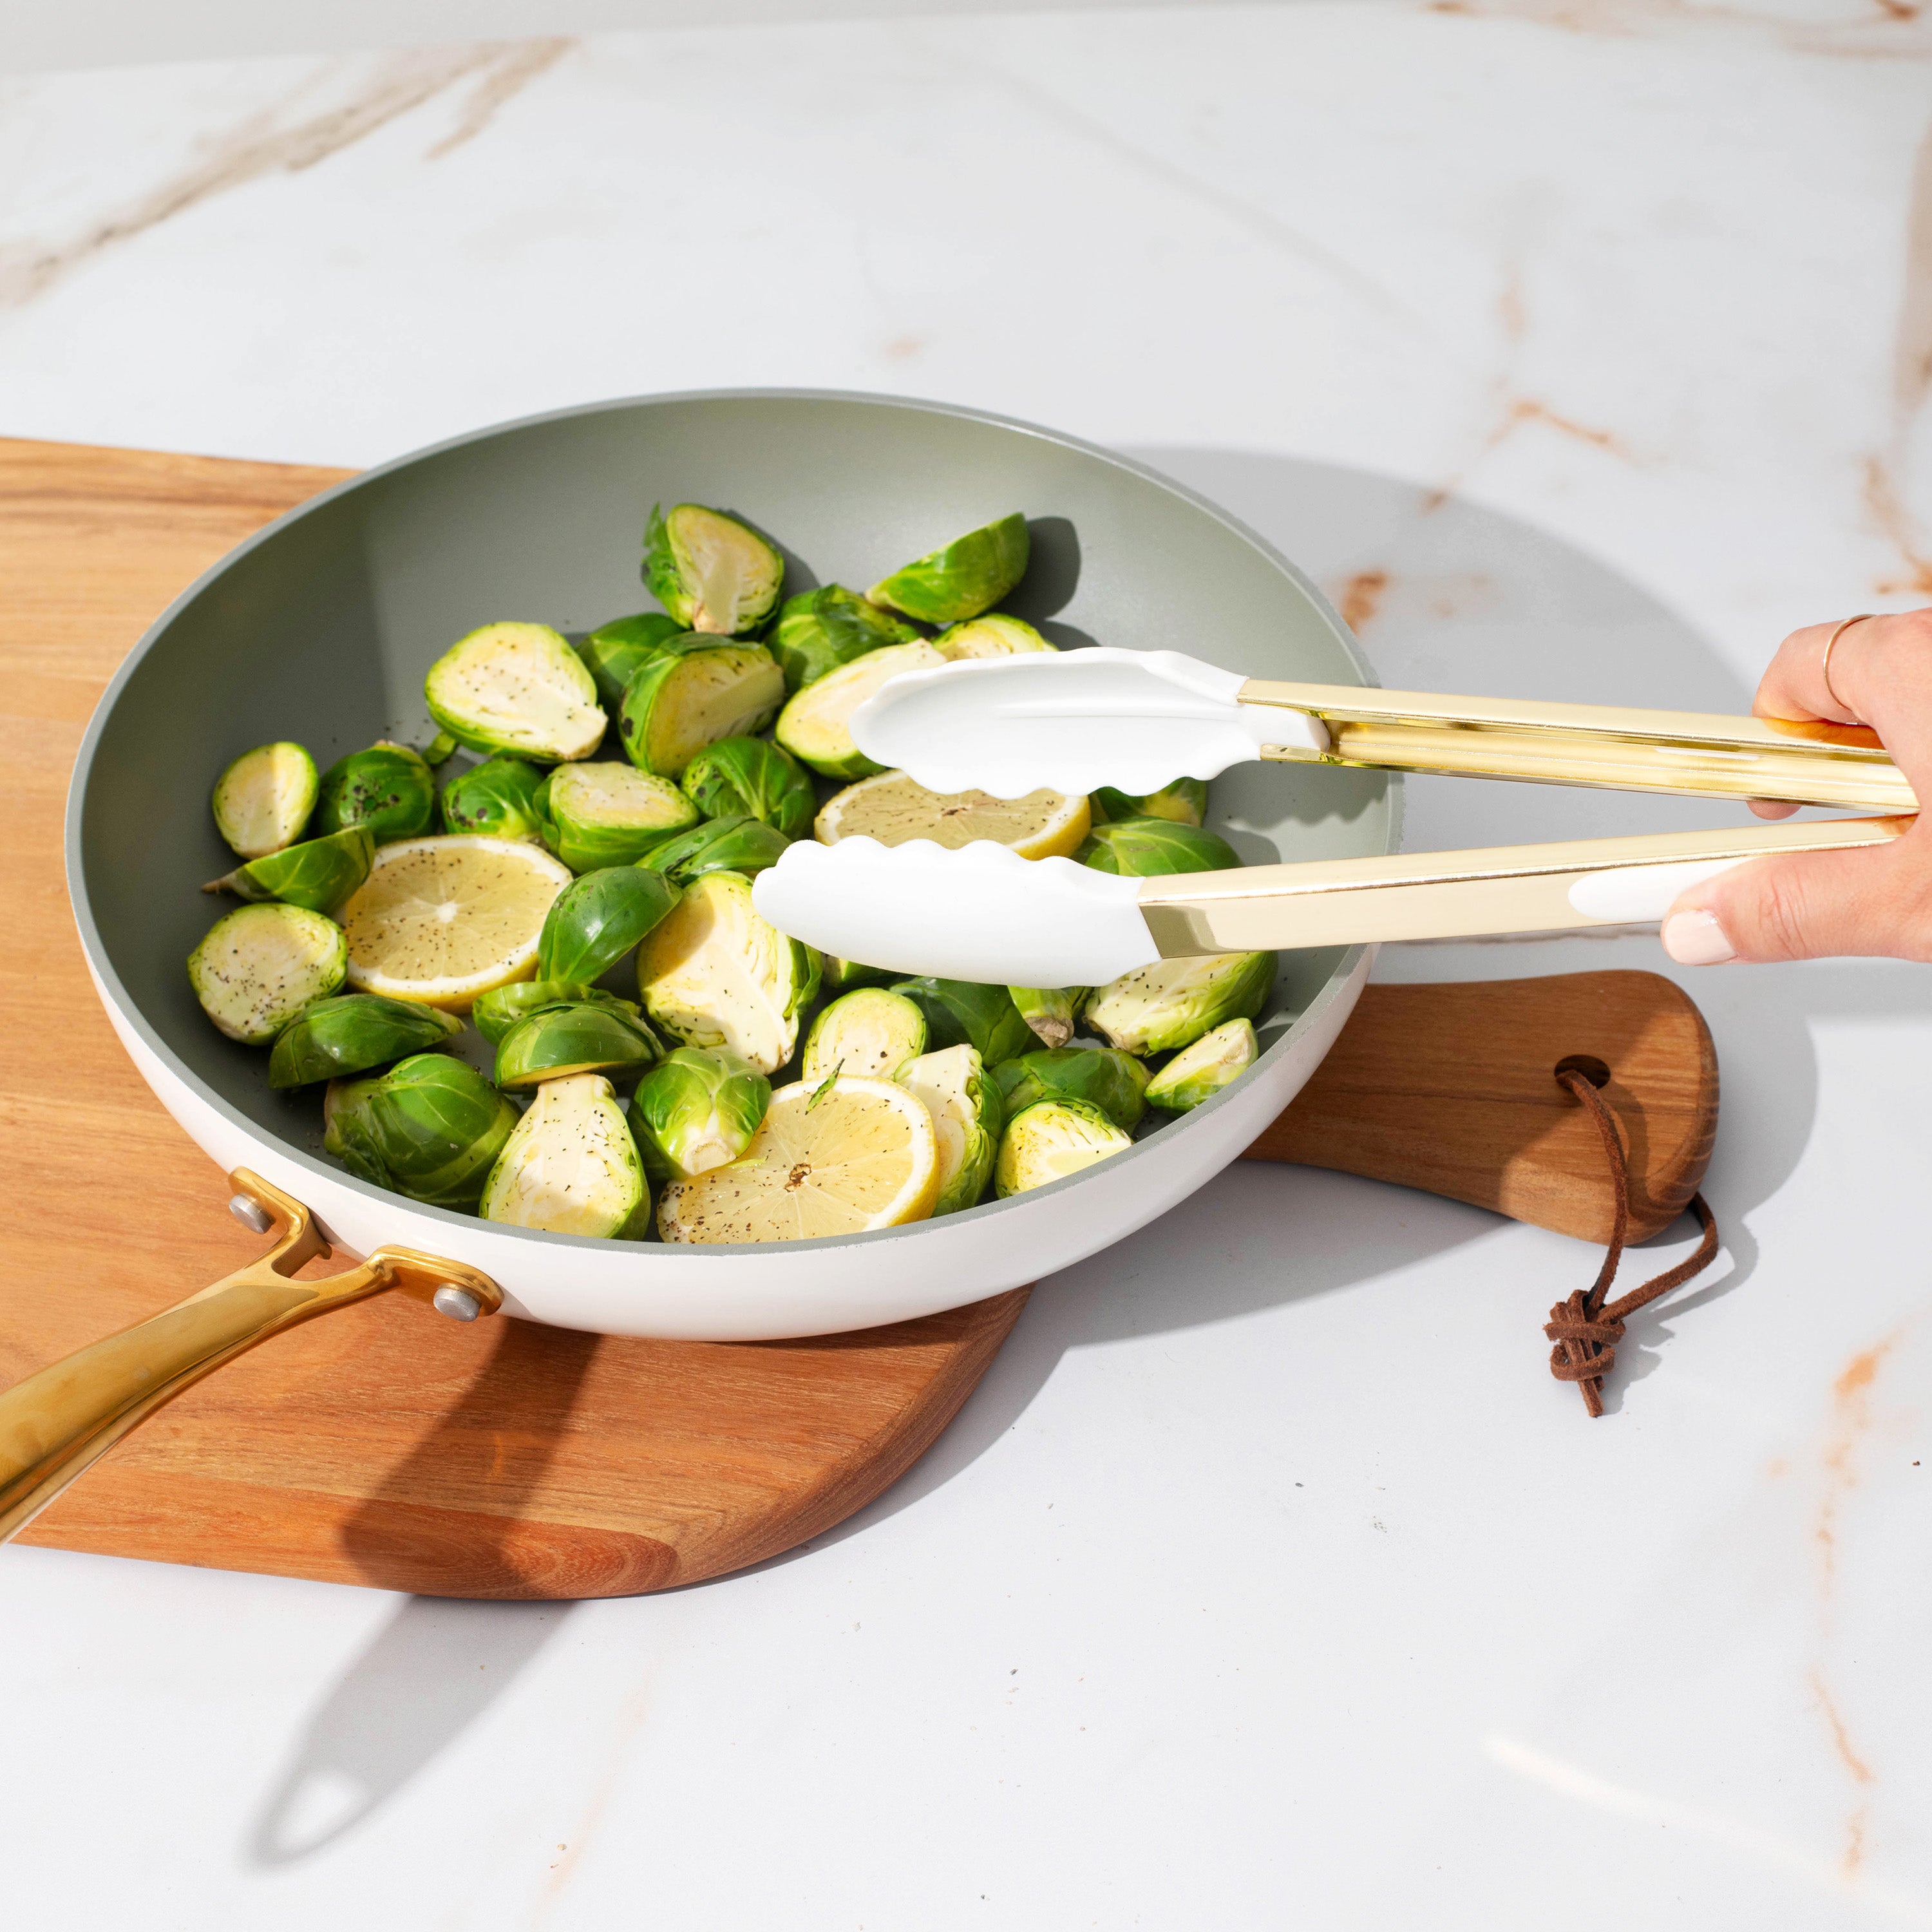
<point x="983" y="913"/>
<point x="1074" y="721"/>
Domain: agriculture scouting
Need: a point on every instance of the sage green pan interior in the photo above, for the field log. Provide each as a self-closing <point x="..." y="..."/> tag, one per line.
<point x="321" y="629"/>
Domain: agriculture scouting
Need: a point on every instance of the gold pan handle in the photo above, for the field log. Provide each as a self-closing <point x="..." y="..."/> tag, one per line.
<point x="56" y="1423"/>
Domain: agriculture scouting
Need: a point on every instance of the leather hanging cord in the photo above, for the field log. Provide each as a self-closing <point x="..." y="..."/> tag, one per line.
<point x="1584" y="1329"/>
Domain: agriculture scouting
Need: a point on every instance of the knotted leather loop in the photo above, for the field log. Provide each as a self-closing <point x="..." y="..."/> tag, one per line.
<point x="1584" y="1329"/>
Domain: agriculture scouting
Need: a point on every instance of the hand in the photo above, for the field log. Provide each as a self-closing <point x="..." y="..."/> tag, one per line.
<point x="1808" y="905"/>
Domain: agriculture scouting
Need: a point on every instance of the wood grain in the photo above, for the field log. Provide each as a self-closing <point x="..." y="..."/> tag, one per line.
<point x="1453" y="1088"/>
<point x="389" y="1447"/>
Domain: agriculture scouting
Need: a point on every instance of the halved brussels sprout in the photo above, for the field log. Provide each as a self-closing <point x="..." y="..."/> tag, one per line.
<point x="614" y="653"/>
<point x="516" y="687"/>
<point x="971" y="575"/>
<point x="1052" y="1139"/>
<point x="353" y="1032"/>
<point x="991" y="637"/>
<point x="390" y="788"/>
<point x="966" y="1116"/>
<point x="260" y="965"/>
<point x="263" y="799"/>
<point x="1199" y="1071"/>
<point x="499" y="798"/>
<point x="1172" y="1003"/>
<point x="588" y="1037"/>
<point x="682" y="701"/>
<point x="871" y="1032"/>
<point x="431" y="1128"/>
<point x="820" y="630"/>
<point x="1100" y="1077"/>
<point x="439" y="750"/>
<point x="963" y="1012"/>
<point x="1050" y="1011"/>
<point x="695" y="1111"/>
<point x="319" y="873"/>
<point x="597" y="919"/>
<point x="745" y="777"/>
<point x="742" y="845"/>
<point x="714" y="974"/>
<point x="710" y="571"/>
<point x="497" y="1011"/>
<point x="610" y="814"/>
<point x="1142" y="848"/>
<point x="570" y="1167"/>
<point x="1184" y="800"/>
<point x="815" y="725"/>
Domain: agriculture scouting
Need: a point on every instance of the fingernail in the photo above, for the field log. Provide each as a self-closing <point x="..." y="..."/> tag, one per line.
<point x="1696" y="939"/>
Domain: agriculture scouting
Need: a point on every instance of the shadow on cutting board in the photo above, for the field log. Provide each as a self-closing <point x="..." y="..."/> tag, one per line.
<point x="439" y="1663"/>
<point x="1446" y="596"/>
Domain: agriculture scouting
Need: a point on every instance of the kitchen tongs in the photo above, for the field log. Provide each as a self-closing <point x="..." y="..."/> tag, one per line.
<point x="1075" y="722"/>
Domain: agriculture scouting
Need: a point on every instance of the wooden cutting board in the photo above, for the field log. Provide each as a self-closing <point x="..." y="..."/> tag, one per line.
<point x="388" y="1446"/>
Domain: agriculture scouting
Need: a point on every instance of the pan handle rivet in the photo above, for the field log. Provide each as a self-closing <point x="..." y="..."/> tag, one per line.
<point x="458" y="1304"/>
<point x="258" y="1220"/>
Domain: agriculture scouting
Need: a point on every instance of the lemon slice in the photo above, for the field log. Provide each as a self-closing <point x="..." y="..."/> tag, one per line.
<point x="443" y="920"/>
<point x="892" y="809"/>
<point x="831" y="1158"/>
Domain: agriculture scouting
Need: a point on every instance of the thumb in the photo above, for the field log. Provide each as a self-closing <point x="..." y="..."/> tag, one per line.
<point x="1809" y="905"/>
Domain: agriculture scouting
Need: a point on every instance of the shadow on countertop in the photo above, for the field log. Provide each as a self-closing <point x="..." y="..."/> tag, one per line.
<point x="1446" y="595"/>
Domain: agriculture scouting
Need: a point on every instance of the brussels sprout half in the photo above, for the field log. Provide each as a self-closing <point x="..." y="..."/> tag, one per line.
<point x="1052" y="1139"/>
<point x="966" y="1110"/>
<point x="991" y="637"/>
<point x="499" y="1009"/>
<point x="971" y="575"/>
<point x="598" y="918"/>
<point x="516" y="687"/>
<point x="1184" y="800"/>
<point x="263" y="799"/>
<point x="586" y="1037"/>
<point x="841" y="975"/>
<point x="499" y="798"/>
<point x="870" y="1033"/>
<point x="709" y="571"/>
<point x="695" y="1111"/>
<point x="388" y="788"/>
<point x="615" y="652"/>
<point x="570" y="1166"/>
<point x="1100" y="1077"/>
<point x="714" y="974"/>
<point x="742" y="845"/>
<point x="1199" y="1071"/>
<point x="962" y="1012"/>
<point x="819" y="630"/>
<point x="607" y="814"/>
<point x="318" y="874"/>
<point x="431" y="1128"/>
<point x="260" y="965"/>
<point x="353" y="1032"/>
<point x="1142" y="848"/>
<point x="1172" y="1003"/>
<point x="1050" y="1011"/>
<point x="682" y="701"/>
<point x="744" y="777"/>
<point x="815" y="725"/>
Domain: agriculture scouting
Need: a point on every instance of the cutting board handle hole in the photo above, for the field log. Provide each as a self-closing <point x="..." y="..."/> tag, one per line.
<point x="1592" y="1068"/>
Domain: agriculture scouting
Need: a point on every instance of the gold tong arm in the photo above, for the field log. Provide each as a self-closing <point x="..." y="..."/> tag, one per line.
<point x="57" y="1422"/>
<point x="1575" y="882"/>
<point x="1704" y="755"/>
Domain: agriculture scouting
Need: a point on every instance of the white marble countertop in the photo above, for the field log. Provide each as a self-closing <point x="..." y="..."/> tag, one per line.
<point x="1581" y="348"/>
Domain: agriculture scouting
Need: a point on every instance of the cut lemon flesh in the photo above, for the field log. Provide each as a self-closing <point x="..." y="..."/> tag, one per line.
<point x="443" y="920"/>
<point x="829" y="1159"/>
<point x="893" y="810"/>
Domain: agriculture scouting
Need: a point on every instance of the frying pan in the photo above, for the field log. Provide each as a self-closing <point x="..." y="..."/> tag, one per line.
<point x="321" y="628"/>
